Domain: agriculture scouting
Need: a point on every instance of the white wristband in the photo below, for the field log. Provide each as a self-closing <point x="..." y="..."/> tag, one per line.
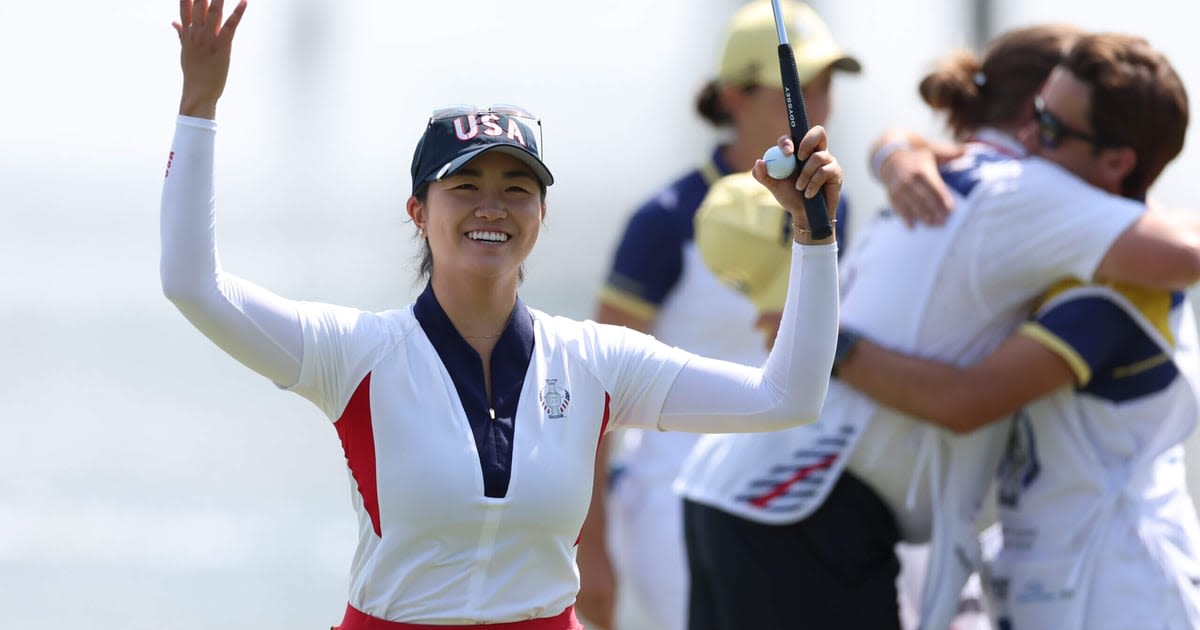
<point x="884" y="152"/>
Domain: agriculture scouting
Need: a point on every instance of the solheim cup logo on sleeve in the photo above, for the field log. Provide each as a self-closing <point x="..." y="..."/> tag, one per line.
<point x="554" y="402"/>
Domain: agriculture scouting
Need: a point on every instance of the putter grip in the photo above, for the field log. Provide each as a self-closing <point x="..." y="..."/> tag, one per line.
<point x="814" y="209"/>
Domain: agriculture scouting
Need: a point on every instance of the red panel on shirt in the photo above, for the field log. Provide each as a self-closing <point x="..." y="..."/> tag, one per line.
<point x="358" y="442"/>
<point x="604" y="422"/>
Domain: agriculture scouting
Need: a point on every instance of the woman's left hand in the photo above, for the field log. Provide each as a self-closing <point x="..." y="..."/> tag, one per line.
<point x="822" y="173"/>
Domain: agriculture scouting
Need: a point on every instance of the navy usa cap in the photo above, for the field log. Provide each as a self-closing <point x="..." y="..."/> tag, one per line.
<point x="458" y="134"/>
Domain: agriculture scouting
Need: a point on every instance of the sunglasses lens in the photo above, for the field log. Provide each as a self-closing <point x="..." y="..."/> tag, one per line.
<point x="1048" y="135"/>
<point x="512" y="110"/>
<point x="1052" y="130"/>
<point x="454" y="111"/>
<point x="1049" y="131"/>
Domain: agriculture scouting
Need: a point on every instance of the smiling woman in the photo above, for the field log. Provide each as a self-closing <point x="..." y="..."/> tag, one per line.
<point x="487" y="164"/>
<point x="470" y="421"/>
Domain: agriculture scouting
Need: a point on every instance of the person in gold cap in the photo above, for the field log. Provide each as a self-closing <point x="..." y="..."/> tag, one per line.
<point x="657" y="284"/>
<point x="747" y="93"/>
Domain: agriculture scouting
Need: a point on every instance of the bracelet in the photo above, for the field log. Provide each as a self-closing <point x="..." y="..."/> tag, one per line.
<point x="886" y="152"/>
<point x="800" y="230"/>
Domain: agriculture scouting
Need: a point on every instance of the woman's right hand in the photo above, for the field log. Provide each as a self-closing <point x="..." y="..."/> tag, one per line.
<point x="821" y="174"/>
<point x="205" y="48"/>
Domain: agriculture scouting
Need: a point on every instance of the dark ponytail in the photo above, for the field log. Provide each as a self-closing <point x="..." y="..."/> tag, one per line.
<point x="710" y="107"/>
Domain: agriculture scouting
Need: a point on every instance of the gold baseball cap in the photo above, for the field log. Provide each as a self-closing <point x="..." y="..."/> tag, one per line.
<point x="744" y="237"/>
<point x="751" y="55"/>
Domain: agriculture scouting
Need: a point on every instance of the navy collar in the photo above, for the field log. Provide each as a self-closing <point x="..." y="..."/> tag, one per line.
<point x="715" y="168"/>
<point x="518" y="333"/>
<point x="718" y="160"/>
<point x="510" y="362"/>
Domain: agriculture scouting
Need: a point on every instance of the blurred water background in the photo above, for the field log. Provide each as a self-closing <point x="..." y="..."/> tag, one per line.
<point x="148" y="481"/>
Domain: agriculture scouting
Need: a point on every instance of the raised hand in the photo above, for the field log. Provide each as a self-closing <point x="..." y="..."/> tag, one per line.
<point x="205" y="44"/>
<point x="822" y="173"/>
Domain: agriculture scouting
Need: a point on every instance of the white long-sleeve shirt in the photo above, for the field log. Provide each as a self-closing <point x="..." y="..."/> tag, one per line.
<point x="469" y="508"/>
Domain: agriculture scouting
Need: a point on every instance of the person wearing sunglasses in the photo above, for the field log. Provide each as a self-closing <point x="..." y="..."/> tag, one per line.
<point x="632" y="554"/>
<point x="1087" y="405"/>
<point x="1051" y="130"/>
<point x="469" y="420"/>
<point x="952" y="292"/>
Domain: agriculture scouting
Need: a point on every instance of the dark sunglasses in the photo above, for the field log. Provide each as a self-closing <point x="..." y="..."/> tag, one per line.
<point x="512" y="111"/>
<point x="1052" y="130"/>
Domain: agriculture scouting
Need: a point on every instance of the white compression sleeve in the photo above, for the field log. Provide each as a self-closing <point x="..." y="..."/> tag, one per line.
<point x="256" y="327"/>
<point x="711" y="396"/>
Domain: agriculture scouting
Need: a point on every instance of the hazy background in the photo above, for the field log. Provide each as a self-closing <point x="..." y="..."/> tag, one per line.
<point x="147" y="480"/>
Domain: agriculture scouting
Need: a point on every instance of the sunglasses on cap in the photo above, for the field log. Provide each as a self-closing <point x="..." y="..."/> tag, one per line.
<point x="1052" y="130"/>
<point x="512" y="111"/>
<point x="456" y="134"/>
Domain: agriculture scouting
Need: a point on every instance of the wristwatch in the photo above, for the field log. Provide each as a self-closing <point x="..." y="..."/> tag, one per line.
<point x="846" y="341"/>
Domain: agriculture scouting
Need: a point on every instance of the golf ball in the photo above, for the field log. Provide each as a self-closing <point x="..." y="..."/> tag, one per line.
<point x="779" y="166"/>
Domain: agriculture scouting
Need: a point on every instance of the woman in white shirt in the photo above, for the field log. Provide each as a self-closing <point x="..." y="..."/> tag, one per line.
<point x="470" y="421"/>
